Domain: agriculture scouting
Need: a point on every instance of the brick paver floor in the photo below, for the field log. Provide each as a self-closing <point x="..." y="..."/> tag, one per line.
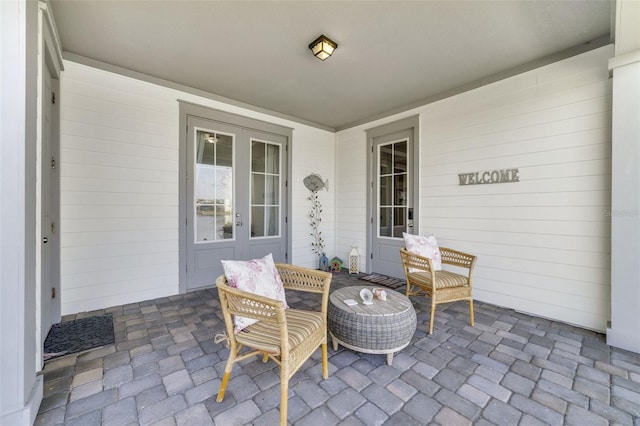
<point x="510" y="369"/>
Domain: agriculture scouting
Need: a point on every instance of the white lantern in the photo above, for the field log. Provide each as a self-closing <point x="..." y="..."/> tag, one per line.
<point x="354" y="261"/>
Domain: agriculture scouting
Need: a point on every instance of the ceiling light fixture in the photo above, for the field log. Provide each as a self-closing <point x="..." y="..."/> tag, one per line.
<point x="323" y="47"/>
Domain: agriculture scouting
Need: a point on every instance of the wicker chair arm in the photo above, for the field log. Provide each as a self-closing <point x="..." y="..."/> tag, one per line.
<point x="457" y="258"/>
<point x="415" y="261"/>
<point x="306" y="279"/>
<point x="249" y="305"/>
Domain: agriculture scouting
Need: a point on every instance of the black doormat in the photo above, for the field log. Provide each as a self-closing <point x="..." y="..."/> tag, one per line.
<point x="78" y="335"/>
<point x="383" y="280"/>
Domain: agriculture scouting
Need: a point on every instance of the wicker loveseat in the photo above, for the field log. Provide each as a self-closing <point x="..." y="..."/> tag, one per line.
<point x="441" y="286"/>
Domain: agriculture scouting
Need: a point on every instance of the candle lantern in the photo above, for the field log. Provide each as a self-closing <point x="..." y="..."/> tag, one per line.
<point x="354" y="261"/>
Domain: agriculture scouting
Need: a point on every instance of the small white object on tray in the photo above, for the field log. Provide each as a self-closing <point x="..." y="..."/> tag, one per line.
<point x="350" y="302"/>
<point x="367" y="296"/>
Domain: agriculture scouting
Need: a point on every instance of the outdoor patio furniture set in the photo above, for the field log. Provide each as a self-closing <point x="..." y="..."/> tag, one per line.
<point x="290" y="336"/>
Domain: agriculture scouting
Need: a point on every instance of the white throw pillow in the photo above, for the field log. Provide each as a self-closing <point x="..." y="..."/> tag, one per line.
<point x="257" y="276"/>
<point x="425" y="246"/>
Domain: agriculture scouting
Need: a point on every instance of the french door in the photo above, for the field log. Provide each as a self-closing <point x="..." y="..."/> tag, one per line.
<point x="236" y="204"/>
<point x="393" y="198"/>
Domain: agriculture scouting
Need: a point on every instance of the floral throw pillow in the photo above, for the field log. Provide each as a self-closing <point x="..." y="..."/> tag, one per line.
<point x="257" y="276"/>
<point x="425" y="246"/>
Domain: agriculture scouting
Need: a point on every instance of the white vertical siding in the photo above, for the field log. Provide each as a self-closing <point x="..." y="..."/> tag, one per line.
<point x="543" y="243"/>
<point x="119" y="187"/>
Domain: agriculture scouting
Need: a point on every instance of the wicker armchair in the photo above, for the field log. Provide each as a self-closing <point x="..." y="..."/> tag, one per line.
<point x="442" y="286"/>
<point x="288" y="337"/>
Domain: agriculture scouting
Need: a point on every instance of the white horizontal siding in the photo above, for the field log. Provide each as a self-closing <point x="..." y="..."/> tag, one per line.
<point x="119" y="191"/>
<point x="119" y="187"/>
<point x="543" y="244"/>
<point x="313" y="152"/>
<point x="351" y="200"/>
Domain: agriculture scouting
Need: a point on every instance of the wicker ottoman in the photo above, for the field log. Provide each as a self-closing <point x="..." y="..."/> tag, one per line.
<point x="385" y="327"/>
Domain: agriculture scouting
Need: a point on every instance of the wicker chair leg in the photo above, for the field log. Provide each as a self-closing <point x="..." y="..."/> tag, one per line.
<point x="433" y="313"/>
<point x="223" y="386"/>
<point x="284" y="398"/>
<point x="471" y="312"/>
<point x="325" y="367"/>
<point x="265" y="357"/>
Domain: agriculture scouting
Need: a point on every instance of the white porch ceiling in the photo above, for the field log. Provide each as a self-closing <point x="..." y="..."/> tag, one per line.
<point x="391" y="54"/>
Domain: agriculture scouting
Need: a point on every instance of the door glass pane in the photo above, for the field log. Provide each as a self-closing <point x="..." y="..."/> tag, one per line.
<point x="265" y="189"/>
<point x="271" y="220"/>
<point x="272" y="190"/>
<point x="257" y="188"/>
<point x="272" y="159"/>
<point x="386" y="217"/>
<point x="399" y="221"/>
<point x="257" y="221"/>
<point x="400" y="190"/>
<point x="386" y="159"/>
<point x="393" y="188"/>
<point x="213" y="186"/>
<point x="257" y="157"/>
<point x="385" y="190"/>
<point x="400" y="157"/>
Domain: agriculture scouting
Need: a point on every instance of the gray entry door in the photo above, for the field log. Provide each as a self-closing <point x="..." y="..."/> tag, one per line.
<point x="47" y="224"/>
<point x="393" y="200"/>
<point x="236" y="197"/>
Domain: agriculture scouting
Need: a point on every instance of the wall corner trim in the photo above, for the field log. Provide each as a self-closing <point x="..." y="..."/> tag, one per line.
<point x="624" y="59"/>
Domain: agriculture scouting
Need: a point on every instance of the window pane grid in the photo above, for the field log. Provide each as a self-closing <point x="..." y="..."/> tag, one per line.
<point x="265" y="189"/>
<point x="392" y="186"/>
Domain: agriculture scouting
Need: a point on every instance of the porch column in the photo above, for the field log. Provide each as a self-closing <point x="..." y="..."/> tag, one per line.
<point x="624" y="330"/>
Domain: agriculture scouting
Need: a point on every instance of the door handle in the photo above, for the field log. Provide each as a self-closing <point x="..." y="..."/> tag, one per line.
<point x="238" y="223"/>
<point x="45" y="240"/>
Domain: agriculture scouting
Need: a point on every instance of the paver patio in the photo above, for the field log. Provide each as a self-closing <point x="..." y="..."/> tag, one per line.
<point x="510" y="369"/>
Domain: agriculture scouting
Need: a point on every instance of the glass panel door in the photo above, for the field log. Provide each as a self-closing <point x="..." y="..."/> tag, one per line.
<point x="392" y="201"/>
<point x="213" y="186"/>
<point x="236" y="197"/>
<point x="393" y="187"/>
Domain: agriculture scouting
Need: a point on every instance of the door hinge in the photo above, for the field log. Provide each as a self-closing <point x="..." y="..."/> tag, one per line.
<point x="286" y="219"/>
<point x="371" y="255"/>
<point x="53" y="97"/>
<point x="286" y="256"/>
<point x="53" y="163"/>
<point x="53" y="292"/>
<point x="286" y="183"/>
<point x="53" y="227"/>
<point x="372" y="220"/>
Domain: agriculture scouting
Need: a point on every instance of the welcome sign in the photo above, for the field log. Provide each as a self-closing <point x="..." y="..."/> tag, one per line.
<point x="490" y="176"/>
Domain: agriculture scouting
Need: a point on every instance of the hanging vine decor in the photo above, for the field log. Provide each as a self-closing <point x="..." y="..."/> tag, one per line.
<point x="314" y="183"/>
<point x="315" y="219"/>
